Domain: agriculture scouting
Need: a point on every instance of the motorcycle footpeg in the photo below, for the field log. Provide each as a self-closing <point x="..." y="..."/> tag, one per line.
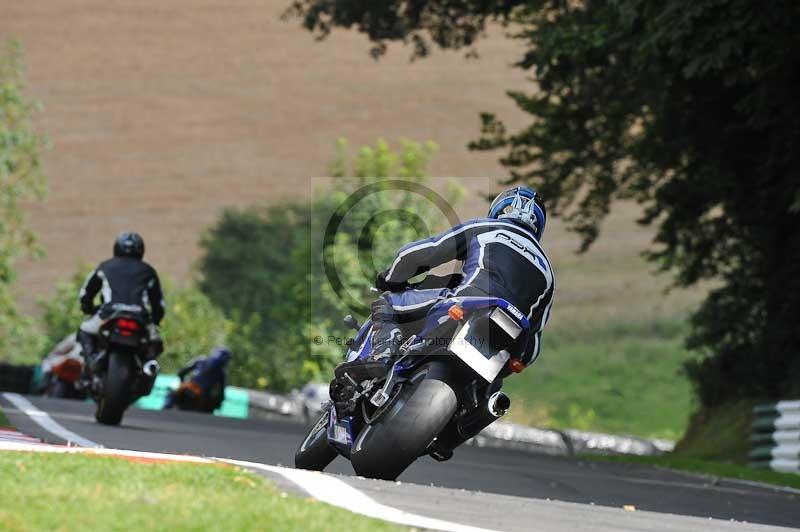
<point x="380" y="397"/>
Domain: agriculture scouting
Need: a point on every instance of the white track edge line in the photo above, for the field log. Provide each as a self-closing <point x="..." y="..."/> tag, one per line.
<point x="42" y="419"/>
<point x="335" y="492"/>
<point x="320" y="486"/>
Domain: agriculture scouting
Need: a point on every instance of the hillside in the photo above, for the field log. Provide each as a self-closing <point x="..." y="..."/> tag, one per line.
<point x="161" y="114"/>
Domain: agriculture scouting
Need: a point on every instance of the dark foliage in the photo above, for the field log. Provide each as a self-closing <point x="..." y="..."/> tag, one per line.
<point x="688" y="106"/>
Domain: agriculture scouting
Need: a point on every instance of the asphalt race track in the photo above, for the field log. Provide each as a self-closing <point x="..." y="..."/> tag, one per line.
<point x="504" y="490"/>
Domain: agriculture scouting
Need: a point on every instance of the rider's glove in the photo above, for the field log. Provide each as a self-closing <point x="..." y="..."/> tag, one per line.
<point x="387" y="286"/>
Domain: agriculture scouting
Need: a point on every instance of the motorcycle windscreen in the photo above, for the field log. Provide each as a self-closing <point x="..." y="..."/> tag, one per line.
<point x="475" y="351"/>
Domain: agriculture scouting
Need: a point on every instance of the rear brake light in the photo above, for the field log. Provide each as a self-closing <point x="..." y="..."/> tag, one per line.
<point x="456" y="313"/>
<point x="128" y="325"/>
<point x="69" y="370"/>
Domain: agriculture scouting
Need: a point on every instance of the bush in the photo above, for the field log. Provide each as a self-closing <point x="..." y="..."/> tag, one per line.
<point x="21" y="180"/>
<point x="61" y="314"/>
<point x="268" y="261"/>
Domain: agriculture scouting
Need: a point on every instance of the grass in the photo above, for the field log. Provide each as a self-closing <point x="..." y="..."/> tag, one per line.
<point x="618" y="377"/>
<point x="719" y="433"/>
<point x="75" y="492"/>
<point x="706" y="467"/>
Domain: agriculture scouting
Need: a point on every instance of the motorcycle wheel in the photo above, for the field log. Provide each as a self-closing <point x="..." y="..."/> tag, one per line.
<point x="63" y="390"/>
<point x="315" y="453"/>
<point x="117" y="386"/>
<point x="423" y="408"/>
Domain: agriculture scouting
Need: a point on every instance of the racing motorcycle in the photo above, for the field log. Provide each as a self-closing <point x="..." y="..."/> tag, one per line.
<point x="61" y="371"/>
<point x="122" y="371"/>
<point x="441" y="389"/>
<point x="62" y="378"/>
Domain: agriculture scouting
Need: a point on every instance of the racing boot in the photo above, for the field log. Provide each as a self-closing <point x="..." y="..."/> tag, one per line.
<point x="386" y="342"/>
<point x="388" y="337"/>
<point x="88" y="346"/>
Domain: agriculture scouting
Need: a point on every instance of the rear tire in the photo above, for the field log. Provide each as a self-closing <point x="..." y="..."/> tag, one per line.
<point x="65" y="390"/>
<point x="424" y="407"/>
<point x="315" y="453"/>
<point x="117" y="388"/>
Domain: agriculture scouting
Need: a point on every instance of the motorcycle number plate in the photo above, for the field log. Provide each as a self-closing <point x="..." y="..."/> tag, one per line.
<point x="478" y="356"/>
<point x="340" y="434"/>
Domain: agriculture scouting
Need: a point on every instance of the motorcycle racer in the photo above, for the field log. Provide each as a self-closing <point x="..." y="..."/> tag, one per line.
<point x="124" y="282"/>
<point x="501" y="256"/>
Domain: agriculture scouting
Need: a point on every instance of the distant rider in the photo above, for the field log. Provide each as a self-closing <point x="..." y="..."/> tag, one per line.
<point x="204" y="390"/>
<point x="501" y="257"/>
<point x="125" y="283"/>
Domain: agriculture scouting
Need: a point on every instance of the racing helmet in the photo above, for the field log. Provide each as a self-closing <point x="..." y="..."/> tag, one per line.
<point x="129" y="244"/>
<point x="523" y="205"/>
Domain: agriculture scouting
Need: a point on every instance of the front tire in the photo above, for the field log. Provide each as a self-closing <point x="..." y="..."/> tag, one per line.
<point x="387" y="447"/>
<point x="315" y="453"/>
<point x="117" y="387"/>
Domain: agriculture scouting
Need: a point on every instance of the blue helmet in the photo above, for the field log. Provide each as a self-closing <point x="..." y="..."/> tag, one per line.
<point x="522" y="204"/>
<point x="221" y="355"/>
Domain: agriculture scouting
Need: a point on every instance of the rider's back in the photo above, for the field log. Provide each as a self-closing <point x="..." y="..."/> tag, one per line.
<point x="504" y="260"/>
<point x="126" y="281"/>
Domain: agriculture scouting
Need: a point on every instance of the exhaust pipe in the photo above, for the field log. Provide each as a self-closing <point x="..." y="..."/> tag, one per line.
<point x="151" y="368"/>
<point x="487" y="413"/>
<point x="498" y="404"/>
<point x="473" y="423"/>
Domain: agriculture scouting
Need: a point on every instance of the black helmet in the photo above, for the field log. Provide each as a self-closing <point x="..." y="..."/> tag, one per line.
<point x="129" y="245"/>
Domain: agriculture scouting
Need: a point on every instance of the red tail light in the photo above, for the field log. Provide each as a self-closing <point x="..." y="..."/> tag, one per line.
<point x="128" y="325"/>
<point x="69" y="370"/>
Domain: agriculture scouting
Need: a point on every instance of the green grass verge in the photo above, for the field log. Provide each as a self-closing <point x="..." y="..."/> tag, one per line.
<point x="719" y="433"/>
<point x="716" y="469"/>
<point x="618" y="377"/>
<point x="74" y="492"/>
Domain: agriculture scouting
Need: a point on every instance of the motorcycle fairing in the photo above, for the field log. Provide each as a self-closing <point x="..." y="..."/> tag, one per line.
<point x="340" y="432"/>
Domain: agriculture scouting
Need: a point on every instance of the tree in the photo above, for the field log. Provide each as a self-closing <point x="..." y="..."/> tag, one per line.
<point x="689" y="107"/>
<point x="276" y="262"/>
<point x="21" y="180"/>
<point x="61" y="314"/>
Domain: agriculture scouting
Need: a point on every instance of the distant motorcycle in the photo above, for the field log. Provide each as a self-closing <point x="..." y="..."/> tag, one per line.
<point x="189" y="396"/>
<point x="122" y="370"/>
<point x="439" y="391"/>
<point x="202" y="387"/>
<point x="62" y="369"/>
